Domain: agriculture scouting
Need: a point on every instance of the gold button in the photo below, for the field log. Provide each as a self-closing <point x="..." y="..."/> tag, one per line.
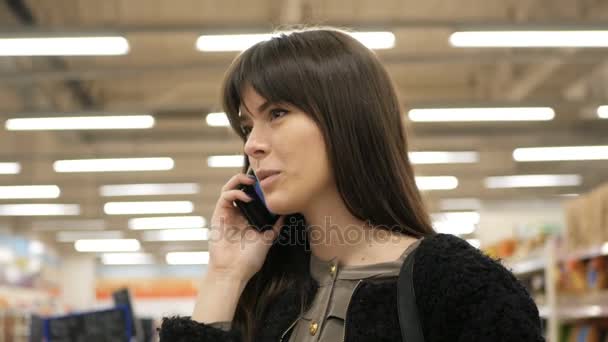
<point x="332" y="269"/>
<point x="313" y="328"/>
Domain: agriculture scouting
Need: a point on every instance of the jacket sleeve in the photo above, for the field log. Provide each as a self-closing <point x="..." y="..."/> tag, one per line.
<point x="464" y="295"/>
<point x="506" y="317"/>
<point x="184" y="329"/>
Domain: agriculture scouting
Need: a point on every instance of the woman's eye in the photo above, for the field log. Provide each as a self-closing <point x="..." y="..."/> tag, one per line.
<point x="276" y="113"/>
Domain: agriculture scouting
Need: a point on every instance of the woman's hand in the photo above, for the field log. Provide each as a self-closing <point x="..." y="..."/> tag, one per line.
<point x="236" y="249"/>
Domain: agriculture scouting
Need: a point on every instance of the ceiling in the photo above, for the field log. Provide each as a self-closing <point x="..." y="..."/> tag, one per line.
<point x="164" y="75"/>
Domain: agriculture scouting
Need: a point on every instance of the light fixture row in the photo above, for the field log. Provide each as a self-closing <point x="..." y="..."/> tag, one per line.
<point x="531" y="154"/>
<point x="523" y="154"/>
<point x="219" y="119"/>
<point x="111" y="242"/>
<point x="139" y="258"/>
<point x="187" y="207"/>
<point x="119" y="45"/>
<point x="181" y="234"/>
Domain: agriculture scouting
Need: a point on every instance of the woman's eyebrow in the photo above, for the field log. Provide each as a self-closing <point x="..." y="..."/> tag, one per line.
<point x="264" y="106"/>
<point x="244" y="112"/>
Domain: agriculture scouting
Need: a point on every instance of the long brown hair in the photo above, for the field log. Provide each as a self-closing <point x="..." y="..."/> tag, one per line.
<point x="344" y="88"/>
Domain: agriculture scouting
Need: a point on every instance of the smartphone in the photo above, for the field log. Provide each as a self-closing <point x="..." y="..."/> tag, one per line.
<point x="256" y="211"/>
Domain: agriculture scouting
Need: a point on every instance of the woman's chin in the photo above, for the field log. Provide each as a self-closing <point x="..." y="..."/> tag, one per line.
<point x="278" y="206"/>
<point x="278" y="210"/>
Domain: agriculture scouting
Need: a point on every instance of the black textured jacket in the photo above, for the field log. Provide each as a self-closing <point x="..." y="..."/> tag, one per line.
<point x="461" y="295"/>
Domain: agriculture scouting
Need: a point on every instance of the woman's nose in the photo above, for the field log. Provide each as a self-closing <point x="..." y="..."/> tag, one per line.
<point x="256" y="145"/>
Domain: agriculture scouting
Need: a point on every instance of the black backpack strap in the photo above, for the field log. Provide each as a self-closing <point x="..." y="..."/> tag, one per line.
<point x="411" y="330"/>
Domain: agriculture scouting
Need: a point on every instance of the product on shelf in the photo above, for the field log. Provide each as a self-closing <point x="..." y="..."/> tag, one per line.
<point x="587" y="219"/>
<point x="577" y="276"/>
<point x="596" y="203"/>
<point x="597" y="273"/>
<point x="603" y="197"/>
<point x="523" y="246"/>
<point x="529" y="246"/>
<point x="507" y="247"/>
<point x="585" y="333"/>
<point x="578" y="218"/>
<point x="537" y="284"/>
<point x="574" y="229"/>
<point x="561" y="278"/>
<point x="592" y="330"/>
<point x="564" y="332"/>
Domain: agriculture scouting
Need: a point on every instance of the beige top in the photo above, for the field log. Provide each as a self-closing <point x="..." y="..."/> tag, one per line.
<point x="324" y="321"/>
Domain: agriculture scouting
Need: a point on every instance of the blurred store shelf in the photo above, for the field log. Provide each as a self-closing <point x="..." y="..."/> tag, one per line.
<point x="580" y="306"/>
<point x="532" y="264"/>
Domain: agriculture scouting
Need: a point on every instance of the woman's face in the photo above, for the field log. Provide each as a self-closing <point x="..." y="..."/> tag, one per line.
<point x="283" y="138"/>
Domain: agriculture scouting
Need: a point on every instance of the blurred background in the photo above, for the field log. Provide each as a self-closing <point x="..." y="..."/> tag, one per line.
<point x="113" y="145"/>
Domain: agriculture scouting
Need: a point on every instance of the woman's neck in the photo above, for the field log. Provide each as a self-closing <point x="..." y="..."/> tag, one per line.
<point x="333" y="232"/>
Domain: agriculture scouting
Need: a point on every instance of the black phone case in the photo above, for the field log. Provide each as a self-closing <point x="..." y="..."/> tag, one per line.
<point x="255" y="211"/>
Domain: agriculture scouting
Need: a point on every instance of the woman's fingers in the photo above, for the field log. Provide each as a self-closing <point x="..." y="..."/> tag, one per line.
<point x="237" y="179"/>
<point x="228" y="197"/>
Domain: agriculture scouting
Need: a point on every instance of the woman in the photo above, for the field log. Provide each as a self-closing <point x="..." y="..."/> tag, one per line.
<point x="322" y="128"/>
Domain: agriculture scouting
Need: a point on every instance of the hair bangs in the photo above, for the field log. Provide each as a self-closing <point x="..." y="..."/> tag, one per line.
<point x="275" y="70"/>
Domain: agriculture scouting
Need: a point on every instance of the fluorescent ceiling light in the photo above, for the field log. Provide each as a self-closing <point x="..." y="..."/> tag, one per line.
<point x="375" y="40"/>
<point x="460" y="204"/>
<point x="127" y="259"/>
<point x="187" y="258"/>
<point x="64" y="46"/>
<point x="188" y="234"/>
<point x="560" y="153"/>
<point x="53" y="225"/>
<point x="443" y="157"/>
<point x="39" y="209"/>
<point x="150" y="207"/>
<point x="148" y="189"/>
<point x="225" y="161"/>
<point x="174" y="222"/>
<point x="602" y="112"/>
<point x="437" y="183"/>
<point x="81" y="123"/>
<point x="10" y="168"/>
<point x="481" y="114"/>
<point x="454" y="228"/>
<point x="525" y="181"/>
<point x="570" y="38"/>
<point x="229" y="42"/>
<point x="29" y="191"/>
<point x="71" y="236"/>
<point x="107" y="245"/>
<point x="217" y="120"/>
<point x="114" y="165"/>
<point x="240" y="42"/>
<point x="460" y="217"/>
<point x="456" y="223"/>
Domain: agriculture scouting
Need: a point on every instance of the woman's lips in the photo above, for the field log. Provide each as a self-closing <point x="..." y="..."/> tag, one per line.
<point x="266" y="182"/>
